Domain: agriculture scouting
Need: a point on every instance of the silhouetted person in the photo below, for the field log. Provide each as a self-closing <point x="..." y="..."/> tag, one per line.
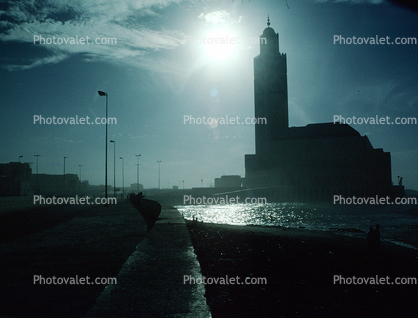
<point x="149" y="209"/>
<point x="132" y="198"/>
<point x="377" y="236"/>
<point x="370" y="237"/>
<point x="373" y="238"/>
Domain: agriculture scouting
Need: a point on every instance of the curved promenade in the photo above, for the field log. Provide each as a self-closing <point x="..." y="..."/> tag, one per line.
<point x="150" y="283"/>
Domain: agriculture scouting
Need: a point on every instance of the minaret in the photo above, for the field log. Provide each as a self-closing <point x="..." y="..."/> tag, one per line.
<point x="270" y="90"/>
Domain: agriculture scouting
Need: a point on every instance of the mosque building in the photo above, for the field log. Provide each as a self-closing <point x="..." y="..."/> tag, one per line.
<point x="310" y="163"/>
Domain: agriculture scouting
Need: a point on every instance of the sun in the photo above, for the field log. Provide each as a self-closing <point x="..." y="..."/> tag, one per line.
<point x="220" y="44"/>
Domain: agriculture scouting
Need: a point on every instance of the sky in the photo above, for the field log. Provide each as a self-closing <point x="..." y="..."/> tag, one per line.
<point x="156" y="64"/>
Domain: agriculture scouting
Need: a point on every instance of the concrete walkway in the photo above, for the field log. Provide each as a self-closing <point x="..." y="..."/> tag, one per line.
<point x="150" y="283"/>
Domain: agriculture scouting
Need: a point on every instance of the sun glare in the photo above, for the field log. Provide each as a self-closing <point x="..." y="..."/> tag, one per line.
<point x="220" y="44"/>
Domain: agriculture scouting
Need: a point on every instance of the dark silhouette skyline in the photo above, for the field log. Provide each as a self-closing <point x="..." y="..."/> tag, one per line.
<point x="314" y="162"/>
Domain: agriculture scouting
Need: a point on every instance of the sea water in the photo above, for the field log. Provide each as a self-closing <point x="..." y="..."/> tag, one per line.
<point x="398" y="223"/>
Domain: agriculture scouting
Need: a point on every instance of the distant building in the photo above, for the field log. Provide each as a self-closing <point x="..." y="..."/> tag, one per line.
<point x="230" y="181"/>
<point x="308" y="163"/>
<point x="57" y="184"/>
<point x="15" y="179"/>
<point x="83" y="187"/>
<point x="135" y="187"/>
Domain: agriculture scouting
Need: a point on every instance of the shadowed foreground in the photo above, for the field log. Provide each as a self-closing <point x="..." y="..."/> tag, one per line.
<point x="299" y="266"/>
<point x="94" y="242"/>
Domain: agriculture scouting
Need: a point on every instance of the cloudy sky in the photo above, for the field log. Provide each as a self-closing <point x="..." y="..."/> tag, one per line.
<point x="151" y="61"/>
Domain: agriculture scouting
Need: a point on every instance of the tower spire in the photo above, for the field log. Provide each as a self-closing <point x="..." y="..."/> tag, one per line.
<point x="268" y="20"/>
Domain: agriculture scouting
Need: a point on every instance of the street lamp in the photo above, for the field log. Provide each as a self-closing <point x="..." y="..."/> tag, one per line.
<point x="123" y="177"/>
<point x="183" y="184"/>
<point x="18" y="178"/>
<point x="137" y="174"/>
<point x="80" y="172"/>
<point x="114" y="168"/>
<point x="81" y="186"/>
<point x="64" y="173"/>
<point x="159" y="161"/>
<point x="101" y="93"/>
<point x="201" y="183"/>
<point x="37" y="175"/>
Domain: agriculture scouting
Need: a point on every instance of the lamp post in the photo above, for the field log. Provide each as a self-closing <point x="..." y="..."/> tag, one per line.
<point x="64" y="173"/>
<point x="101" y="93"/>
<point x="80" y="172"/>
<point x="159" y="161"/>
<point x="137" y="174"/>
<point x="123" y="177"/>
<point x="114" y="168"/>
<point x="37" y="176"/>
<point x="81" y="185"/>
<point x="183" y="184"/>
<point x="18" y="178"/>
<point x="201" y="183"/>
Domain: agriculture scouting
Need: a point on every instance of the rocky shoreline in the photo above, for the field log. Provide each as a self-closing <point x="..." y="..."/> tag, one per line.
<point x="300" y="267"/>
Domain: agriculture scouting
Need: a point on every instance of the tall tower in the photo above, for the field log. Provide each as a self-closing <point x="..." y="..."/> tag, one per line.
<point x="270" y="90"/>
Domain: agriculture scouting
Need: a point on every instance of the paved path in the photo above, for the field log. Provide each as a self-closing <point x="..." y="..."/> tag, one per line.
<point x="150" y="283"/>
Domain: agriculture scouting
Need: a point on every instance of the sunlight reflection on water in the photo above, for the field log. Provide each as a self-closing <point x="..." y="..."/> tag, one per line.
<point x="397" y="222"/>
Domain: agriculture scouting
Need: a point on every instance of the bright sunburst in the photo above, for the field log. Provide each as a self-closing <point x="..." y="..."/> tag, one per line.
<point x="220" y="44"/>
